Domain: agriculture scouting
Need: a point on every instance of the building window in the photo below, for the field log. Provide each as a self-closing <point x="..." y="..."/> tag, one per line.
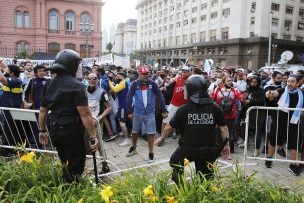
<point x="186" y="13"/>
<point x="213" y="15"/>
<point x="85" y="20"/>
<point x="253" y="6"/>
<point x="252" y="34"/>
<point x="202" y="36"/>
<point x="185" y="40"/>
<point x="286" y="37"/>
<point x="178" y="24"/>
<point x="204" y="6"/>
<point x="275" y="21"/>
<point x="177" y="40"/>
<point x="18" y="19"/>
<point x="301" y="13"/>
<point x="225" y="33"/>
<point x="299" y="39"/>
<point x="287" y="24"/>
<point x="26" y="15"/>
<point x="53" y="20"/>
<point x="289" y="10"/>
<point x="194" y="9"/>
<point x="212" y="35"/>
<point x="252" y="20"/>
<point x="193" y="38"/>
<point x="194" y="20"/>
<point x="300" y="26"/>
<point x="275" y="7"/>
<point x="53" y="47"/>
<point x="22" y="46"/>
<point x="226" y="12"/>
<point x="69" y="21"/>
<point x="178" y="15"/>
<point x="185" y="22"/>
<point x="214" y="3"/>
<point x="274" y="35"/>
<point x="203" y="17"/>
<point x="171" y="26"/>
<point x="179" y="5"/>
<point x="223" y="50"/>
<point x="70" y="46"/>
<point x="185" y="2"/>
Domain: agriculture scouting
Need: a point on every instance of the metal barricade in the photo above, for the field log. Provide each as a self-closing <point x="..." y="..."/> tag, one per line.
<point x="274" y="124"/>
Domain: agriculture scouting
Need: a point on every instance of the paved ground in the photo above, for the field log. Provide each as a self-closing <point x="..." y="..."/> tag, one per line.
<point x="279" y="174"/>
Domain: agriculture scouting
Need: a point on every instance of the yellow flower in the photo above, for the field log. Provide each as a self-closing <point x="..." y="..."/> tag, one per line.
<point x="80" y="201"/>
<point x="213" y="188"/>
<point x="149" y="190"/>
<point x="186" y="162"/>
<point x="154" y="198"/>
<point x="106" y="193"/>
<point x="210" y="166"/>
<point x="170" y="199"/>
<point x="28" y="158"/>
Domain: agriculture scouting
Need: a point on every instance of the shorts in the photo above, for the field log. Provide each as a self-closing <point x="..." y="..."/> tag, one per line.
<point x="122" y="115"/>
<point x="143" y="119"/>
<point x="171" y="112"/>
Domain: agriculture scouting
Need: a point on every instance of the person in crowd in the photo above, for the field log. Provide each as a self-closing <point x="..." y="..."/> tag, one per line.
<point x="121" y="90"/>
<point x="226" y="97"/>
<point x="85" y="76"/>
<point x="215" y="84"/>
<point x="265" y="78"/>
<point x="197" y="121"/>
<point x="70" y="114"/>
<point x="285" y="78"/>
<point x="144" y="90"/>
<point x="287" y="127"/>
<point x="179" y="97"/>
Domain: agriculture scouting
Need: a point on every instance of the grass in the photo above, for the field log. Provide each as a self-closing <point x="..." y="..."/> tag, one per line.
<point x="39" y="180"/>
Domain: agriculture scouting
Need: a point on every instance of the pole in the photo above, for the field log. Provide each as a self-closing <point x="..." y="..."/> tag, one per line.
<point x="269" y="44"/>
<point x="87" y="45"/>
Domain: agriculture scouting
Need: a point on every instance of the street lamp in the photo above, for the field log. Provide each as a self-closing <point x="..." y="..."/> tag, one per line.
<point x="269" y="42"/>
<point x="274" y="47"/>
<point x="87" y="29"/>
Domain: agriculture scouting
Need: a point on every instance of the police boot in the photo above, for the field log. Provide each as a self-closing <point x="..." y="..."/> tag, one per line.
<point x="105" y="168"/>
<point x="231" y="146"/>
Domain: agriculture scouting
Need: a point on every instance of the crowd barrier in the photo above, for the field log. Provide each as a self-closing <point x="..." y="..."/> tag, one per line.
<point x="272" y="123"/>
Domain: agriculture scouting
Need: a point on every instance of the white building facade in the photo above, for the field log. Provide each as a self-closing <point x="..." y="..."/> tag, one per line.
<point x="125" y="37"/>
<point x="232" y="32"/>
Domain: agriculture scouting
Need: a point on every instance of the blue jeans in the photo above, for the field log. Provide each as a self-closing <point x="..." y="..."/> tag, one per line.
<point x="113" y="122"/>
<point x="144" y="120"/>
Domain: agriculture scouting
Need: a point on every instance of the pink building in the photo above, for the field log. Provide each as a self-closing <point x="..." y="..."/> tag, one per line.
<point x="47" y="26"/>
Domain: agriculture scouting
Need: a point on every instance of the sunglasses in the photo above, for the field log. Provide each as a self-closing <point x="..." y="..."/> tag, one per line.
<point x="92" y="78"/>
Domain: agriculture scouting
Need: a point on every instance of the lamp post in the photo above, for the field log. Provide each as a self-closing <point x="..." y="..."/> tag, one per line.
<point x="274" y="47"/>
<point x="269" y="42"/>
<point x="87" y="29"/>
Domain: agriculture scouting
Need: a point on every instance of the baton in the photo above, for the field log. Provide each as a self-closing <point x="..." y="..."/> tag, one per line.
<point x="92" y="140"/>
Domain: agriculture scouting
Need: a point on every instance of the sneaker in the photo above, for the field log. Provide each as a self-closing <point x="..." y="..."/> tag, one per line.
<point x="294" y="169"/>
<point x="151" y="158"/>
<point x="268" y="164"/>
<point x="256" y="153"/>
<point x="111" y="137"/>
<point x="132" y="152"/>
<point x="240" y="141"/>
<point x="126" y="142"/>
<point x="174" y="136"/>
<point x="281" y="152"/>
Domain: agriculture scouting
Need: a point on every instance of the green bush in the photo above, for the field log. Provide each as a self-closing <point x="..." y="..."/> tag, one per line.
<point x="39" y="180"/>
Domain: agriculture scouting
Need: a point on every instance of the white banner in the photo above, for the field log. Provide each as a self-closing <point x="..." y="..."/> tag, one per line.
<point x="122" y="61"/>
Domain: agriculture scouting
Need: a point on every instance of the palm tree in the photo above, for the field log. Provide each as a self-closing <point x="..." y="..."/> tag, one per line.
<point x="109" y="47"/>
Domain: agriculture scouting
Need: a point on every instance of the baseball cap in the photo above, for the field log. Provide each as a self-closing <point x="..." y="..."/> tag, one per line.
<point x="186" y="68"/>
<point x="143" y="70"/>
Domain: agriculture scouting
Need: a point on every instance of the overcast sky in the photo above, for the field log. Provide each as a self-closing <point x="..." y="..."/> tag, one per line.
<point x="118" y="11"/>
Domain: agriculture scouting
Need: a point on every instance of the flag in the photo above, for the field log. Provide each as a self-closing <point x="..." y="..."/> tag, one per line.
<point x="207" y="67"/>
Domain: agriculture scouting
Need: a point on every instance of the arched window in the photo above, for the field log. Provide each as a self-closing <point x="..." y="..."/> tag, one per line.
<point x="26" y="15"/>
<point x="22" y="46"/>
<point x="69" y="21"/>
<point x="70" y="46"/>
<point x="19" y="19"/>
<point x="53" y="47"/>
<point x="85" y="22"/>
<point x="53" y="20"/>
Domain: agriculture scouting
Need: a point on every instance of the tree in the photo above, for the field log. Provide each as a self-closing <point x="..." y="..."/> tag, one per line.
<point x="109" y="47"/>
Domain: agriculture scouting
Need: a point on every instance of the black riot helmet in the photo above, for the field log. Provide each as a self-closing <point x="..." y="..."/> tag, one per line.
<point x="197" y="86"/>
<point x="66" y="60"/>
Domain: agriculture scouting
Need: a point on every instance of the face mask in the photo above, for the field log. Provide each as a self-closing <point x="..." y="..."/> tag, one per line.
<point x="218" y="81"/>
<point x="228" y="87"/>
<point x="277" y="83"/>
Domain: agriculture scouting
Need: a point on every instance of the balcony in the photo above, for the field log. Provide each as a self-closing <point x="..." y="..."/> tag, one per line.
<point x="67" y="32"/>
<point x="54" y="31"/>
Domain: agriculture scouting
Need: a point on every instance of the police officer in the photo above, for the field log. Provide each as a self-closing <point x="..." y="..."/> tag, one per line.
<point x="67" y="102"/>
<point x="197" y="121"/>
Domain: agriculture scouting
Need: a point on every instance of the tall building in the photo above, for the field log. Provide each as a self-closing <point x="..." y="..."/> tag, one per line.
<point x="232" y="32"/>
<point x="47" y="26"/>
<point x="125" y="37"/>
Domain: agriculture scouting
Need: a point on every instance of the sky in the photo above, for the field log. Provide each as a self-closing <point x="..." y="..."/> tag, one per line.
<point x="118" y="11"/>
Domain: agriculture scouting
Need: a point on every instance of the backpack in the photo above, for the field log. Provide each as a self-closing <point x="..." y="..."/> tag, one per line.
<point x="226" y="103"/>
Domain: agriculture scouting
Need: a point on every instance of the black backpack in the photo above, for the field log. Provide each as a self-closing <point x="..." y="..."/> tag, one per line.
<point x="226" y="103"/>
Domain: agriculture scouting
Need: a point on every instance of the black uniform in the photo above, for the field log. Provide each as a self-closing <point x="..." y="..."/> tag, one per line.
<point x="197" y="124"/>
<point x="63" y="94"/>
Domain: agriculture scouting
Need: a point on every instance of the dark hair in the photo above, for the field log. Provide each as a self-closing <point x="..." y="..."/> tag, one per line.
<point x="297" y="77"/>
<point x="197" y="71"/>
<point x="37" y="67"/>
<point x="86" y="72"/>
<point x="257" y="78"/>
<point x="286" y="73"/>
<point x="14" y="69"/>
<point x="300" y="72"/>
<point x="275" y="73"/>
<point x="101" y="70"/>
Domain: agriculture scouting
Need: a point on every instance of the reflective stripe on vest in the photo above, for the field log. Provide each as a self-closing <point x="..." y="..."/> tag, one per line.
<point x="13" y="90"/>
